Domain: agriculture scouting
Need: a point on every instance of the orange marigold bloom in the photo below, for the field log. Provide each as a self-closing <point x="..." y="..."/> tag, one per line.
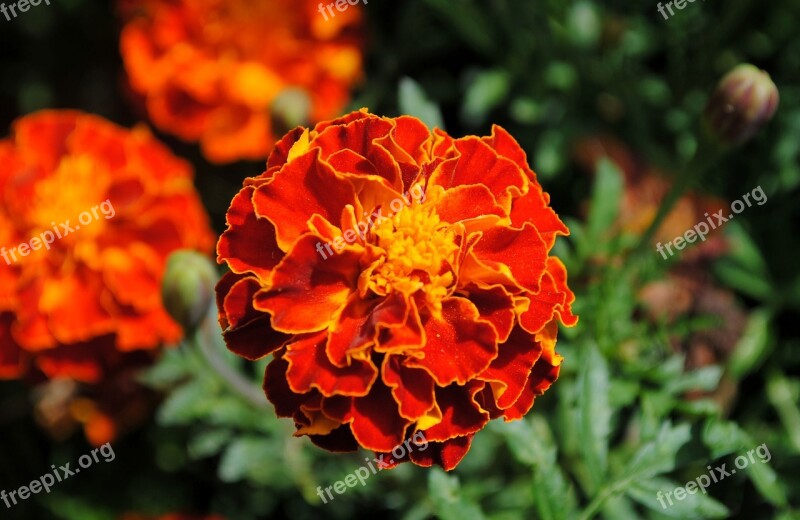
<point x="402" y="280"/>
<point x="209" y="70"/>
<point x="88" y="215"/>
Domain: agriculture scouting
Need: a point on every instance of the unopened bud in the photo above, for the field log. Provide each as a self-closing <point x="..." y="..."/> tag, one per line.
<point x="743" y="102"/>
<point x="188" y="288"/>
<point x="292" y="108"/>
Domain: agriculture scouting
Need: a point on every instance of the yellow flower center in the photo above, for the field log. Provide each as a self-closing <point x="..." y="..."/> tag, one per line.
<point x="419" y="253"/>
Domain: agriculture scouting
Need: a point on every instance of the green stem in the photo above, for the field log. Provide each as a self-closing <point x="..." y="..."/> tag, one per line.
<point x="601" y="498"/>
<point x="240" y="385"/>
<point x="707" y="154"/>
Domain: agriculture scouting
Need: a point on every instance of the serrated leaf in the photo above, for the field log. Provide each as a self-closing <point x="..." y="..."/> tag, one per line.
<point x="660" y="455"/>
<point x="251" y="458"/>
<point x="531" y="442"/>
<point x="188" y="402"/>
<point x="594" y="417"/>
<point x="449" y="502"/>
<point x="413" y="101"/>
<point x="171" y="368"/>
<point x="723" y="437"/>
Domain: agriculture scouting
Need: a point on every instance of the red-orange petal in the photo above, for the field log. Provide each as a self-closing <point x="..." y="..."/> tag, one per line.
<point x="412" y="388"/>
<point x="309" y="368"/>
<point x="446" y="454"/>
<point x="304" y="187"/>
<point x="461" y="415"/>
<point x="308" y="290"/>
<point x="459" y="346"/>
<point x="236" y="248"/>
<point x="508" y="374"/>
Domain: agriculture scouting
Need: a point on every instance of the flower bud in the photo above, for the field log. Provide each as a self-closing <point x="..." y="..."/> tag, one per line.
<point x="188" y="288"/>
<point x="292" y="108"/>
<point x="743" y="102"/>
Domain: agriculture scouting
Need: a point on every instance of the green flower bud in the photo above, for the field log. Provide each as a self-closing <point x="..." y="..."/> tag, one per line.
<point x="292" y="108"/>
<point x="743" y="102"/>
<point x="188" y="288"/>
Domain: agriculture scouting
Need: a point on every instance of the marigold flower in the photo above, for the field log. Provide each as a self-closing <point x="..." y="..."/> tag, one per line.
<point x="433" y="304"/>
<point x="209" y="70"/>
<point x="88" y="215"/>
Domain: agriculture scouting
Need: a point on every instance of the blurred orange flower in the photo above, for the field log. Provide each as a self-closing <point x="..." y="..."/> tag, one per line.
<point x="210" y="70"/>
<point x="433" y="306"/>
<point x="645" y="189"/>
<point x="88" y="214"/>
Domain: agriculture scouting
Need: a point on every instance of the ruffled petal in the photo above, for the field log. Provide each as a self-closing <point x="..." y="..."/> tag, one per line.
<point x="308" y="290"/>
<point x="459" y="346"/>
<point x="309" y="368"/>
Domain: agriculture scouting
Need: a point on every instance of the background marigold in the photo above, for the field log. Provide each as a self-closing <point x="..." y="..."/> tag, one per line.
<point x="438" y="315"/>
<point x="89" y="304"/>
<point x="209" y="70"/>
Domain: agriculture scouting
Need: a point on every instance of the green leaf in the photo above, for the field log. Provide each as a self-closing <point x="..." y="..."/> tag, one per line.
<point x="738" y="277"/>
<point x="745" y="251"/>
<point x="744" y="267"/>
<point x="724" y="437"/>
<point x="660" y="455"/>
<point x="252" y="458"/>
<point x="655" y="406"/>
<point x="695" y="505"/>
<point x="172" y="368"/>
<point x="450" y="504"/>
<point x="486" y="90"/>
<point x="594" y="416"/>
<point x="766" y="482"/>
<point x="413" y="101"/>
<point x="654" y="458"/>
<point x="751" y="350"/>
<point x="782" y="396"/>
<point x="705" y="379"/>
<point x="188" y="402"/>
<point x="623" y="393"/>
<point x="208" y="443"/>
<point x="532" y="443"/>
<point x="606" y="196"/>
